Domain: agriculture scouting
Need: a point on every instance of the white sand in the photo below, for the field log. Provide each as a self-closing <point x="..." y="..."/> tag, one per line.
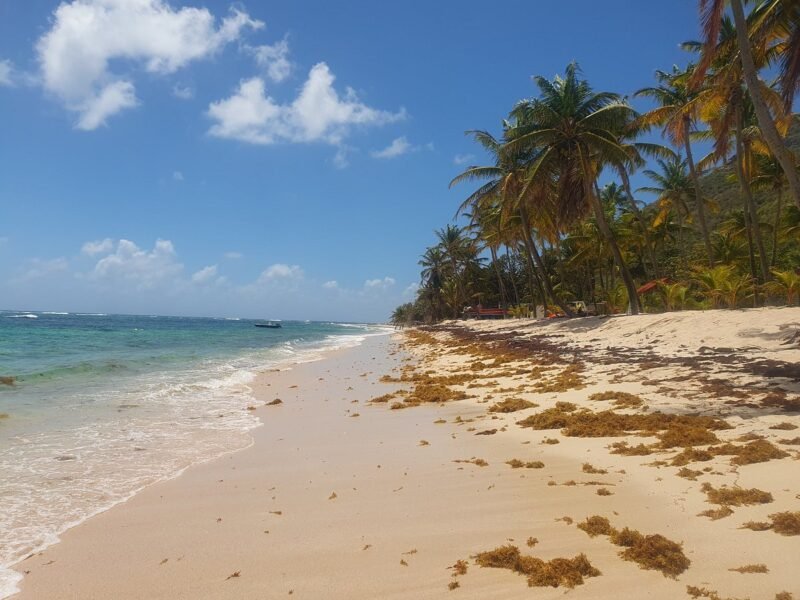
<point x="186" y="537"/>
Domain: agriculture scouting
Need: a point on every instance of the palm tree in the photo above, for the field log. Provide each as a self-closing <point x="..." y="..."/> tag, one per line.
<point x="769" y="175"/>
<point x="728" y="109"/>
<point x="454" y="246"/>
<point x="712" y="13"/>
<point x="677" y="114"/>
<point x="786" y="283"/>
<point x="486" y="221"/>
<point x="672" y="187"/>
<point x="504" y="183"/>
<point x="569" y="134"/>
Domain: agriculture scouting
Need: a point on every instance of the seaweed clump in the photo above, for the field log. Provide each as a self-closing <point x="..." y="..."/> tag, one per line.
<point x="607" y="423"/>
<point x="786" y="523"/>
<point x="652" y="552"/>
<point x="759" y="568"/>
<point x="735" y="496"/>
<point x="558" y="572"/>
<point x="619" y="399"/>
<point x="511" y="405"/>
<point x="596" y="525"/>
<point x="715" y="514"/>
<point x="516" y="463"/>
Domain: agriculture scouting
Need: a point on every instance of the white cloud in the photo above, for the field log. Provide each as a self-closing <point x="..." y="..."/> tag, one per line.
<point x="317" y="114"/>
<point x="463" y="159"/>
<point x="141" y="268"/>
<point x="87" y="35"/>
<point x="398" y="147"/>
<point x="340" y="159"/>
<point x="411" y="290"/>
<point x="273" y="59"/>
<point x="182" y="92"/>
<point x="379" y="284"/>
<point x="177" y="176"/>
<point x="280" y="271"/>
<point x="233" y="255"/>
<point x="98" y="247"/>
<point x="6" y="70"/>
<point x="110" y="100"/>
<point x="39" y="268"/>
<point x="331" y="285"/>
<point x="205" y="275"/>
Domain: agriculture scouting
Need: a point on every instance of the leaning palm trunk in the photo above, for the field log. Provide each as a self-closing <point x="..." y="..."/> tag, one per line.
<point x="750" y="205"/>
<point x="626" y="185"/>
<point x="776" y="227"/>
<point x="765" y="122"/>
<point x="602" y="224"/>
<point x="534" y="254"/>
<point x="534" y="282"/>
<point x="701" y="209"/>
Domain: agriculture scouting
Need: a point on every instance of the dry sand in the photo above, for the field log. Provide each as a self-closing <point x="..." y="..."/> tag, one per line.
<point x="327" y="504"/>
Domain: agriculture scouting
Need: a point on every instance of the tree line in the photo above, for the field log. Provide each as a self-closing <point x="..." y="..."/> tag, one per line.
<point x="723" y="230"/>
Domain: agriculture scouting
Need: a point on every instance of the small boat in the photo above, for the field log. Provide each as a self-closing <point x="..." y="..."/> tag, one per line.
<point x="270" y="324"/>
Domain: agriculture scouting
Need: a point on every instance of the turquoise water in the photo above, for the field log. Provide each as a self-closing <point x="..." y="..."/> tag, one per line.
<point x="103" y="405"/>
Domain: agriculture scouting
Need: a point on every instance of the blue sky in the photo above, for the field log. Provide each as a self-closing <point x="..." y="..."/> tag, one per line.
<point x="268" y="159"/>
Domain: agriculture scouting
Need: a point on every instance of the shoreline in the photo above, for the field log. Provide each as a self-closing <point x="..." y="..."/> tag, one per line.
<point x="315" y="351"/>
<point x="382" y="504"/>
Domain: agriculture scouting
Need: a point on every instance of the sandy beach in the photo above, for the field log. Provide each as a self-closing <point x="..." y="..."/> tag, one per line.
<point x="341" y="497"/>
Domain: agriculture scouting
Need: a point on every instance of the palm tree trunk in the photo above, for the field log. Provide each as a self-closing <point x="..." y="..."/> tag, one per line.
<point x="534" y="254"/>
<point x="499" y="274"/>
<point x="701" y="209"/>
<point x="533" y="279"/>
<point x="776" y="227"/>
<point x="600" y="216"/>
<point x="626" y="185"/>
<point x="513" y="279"/>
<point x="742" y="171"/>
<point x="765" y="122"/>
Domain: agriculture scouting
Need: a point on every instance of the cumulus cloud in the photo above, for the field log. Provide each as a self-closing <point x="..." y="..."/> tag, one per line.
<point x="318" y="114"/>
<point x="182" y="92"/>
<point x="274" y="59"/>
<point x="398" y="147"/>
<point x="110" y="100"/>
<point x="331" y="285"/>
<point x="143" y="269"/>
<point x="86" y="36"/>
<point x="233" y="255"/>
<point x="98" y="247"/>
<point x="463" y="159"/>
<point x="379" y="284"/>
<point x="280" y="271"/>
<point x="205" y="275"/>
<point x="6" y="70"/>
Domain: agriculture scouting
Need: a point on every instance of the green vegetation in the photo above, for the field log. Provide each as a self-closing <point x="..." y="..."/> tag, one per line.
<point x="723" y="230"/>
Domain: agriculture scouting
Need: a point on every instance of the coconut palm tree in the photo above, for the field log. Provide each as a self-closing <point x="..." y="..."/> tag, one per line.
<point x="672" y="187"/>
<point x="785" y="13"/>
<point x="568" y="135"/>
<point x="455" y="247"/>
<point x="677" y="113"/>
<point x="504" y="184"/>
<point x="769" y="175"/>
<point x="728" y="109"/>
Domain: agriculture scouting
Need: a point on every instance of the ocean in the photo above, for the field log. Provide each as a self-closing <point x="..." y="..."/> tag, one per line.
<point x="103" y="405"/>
